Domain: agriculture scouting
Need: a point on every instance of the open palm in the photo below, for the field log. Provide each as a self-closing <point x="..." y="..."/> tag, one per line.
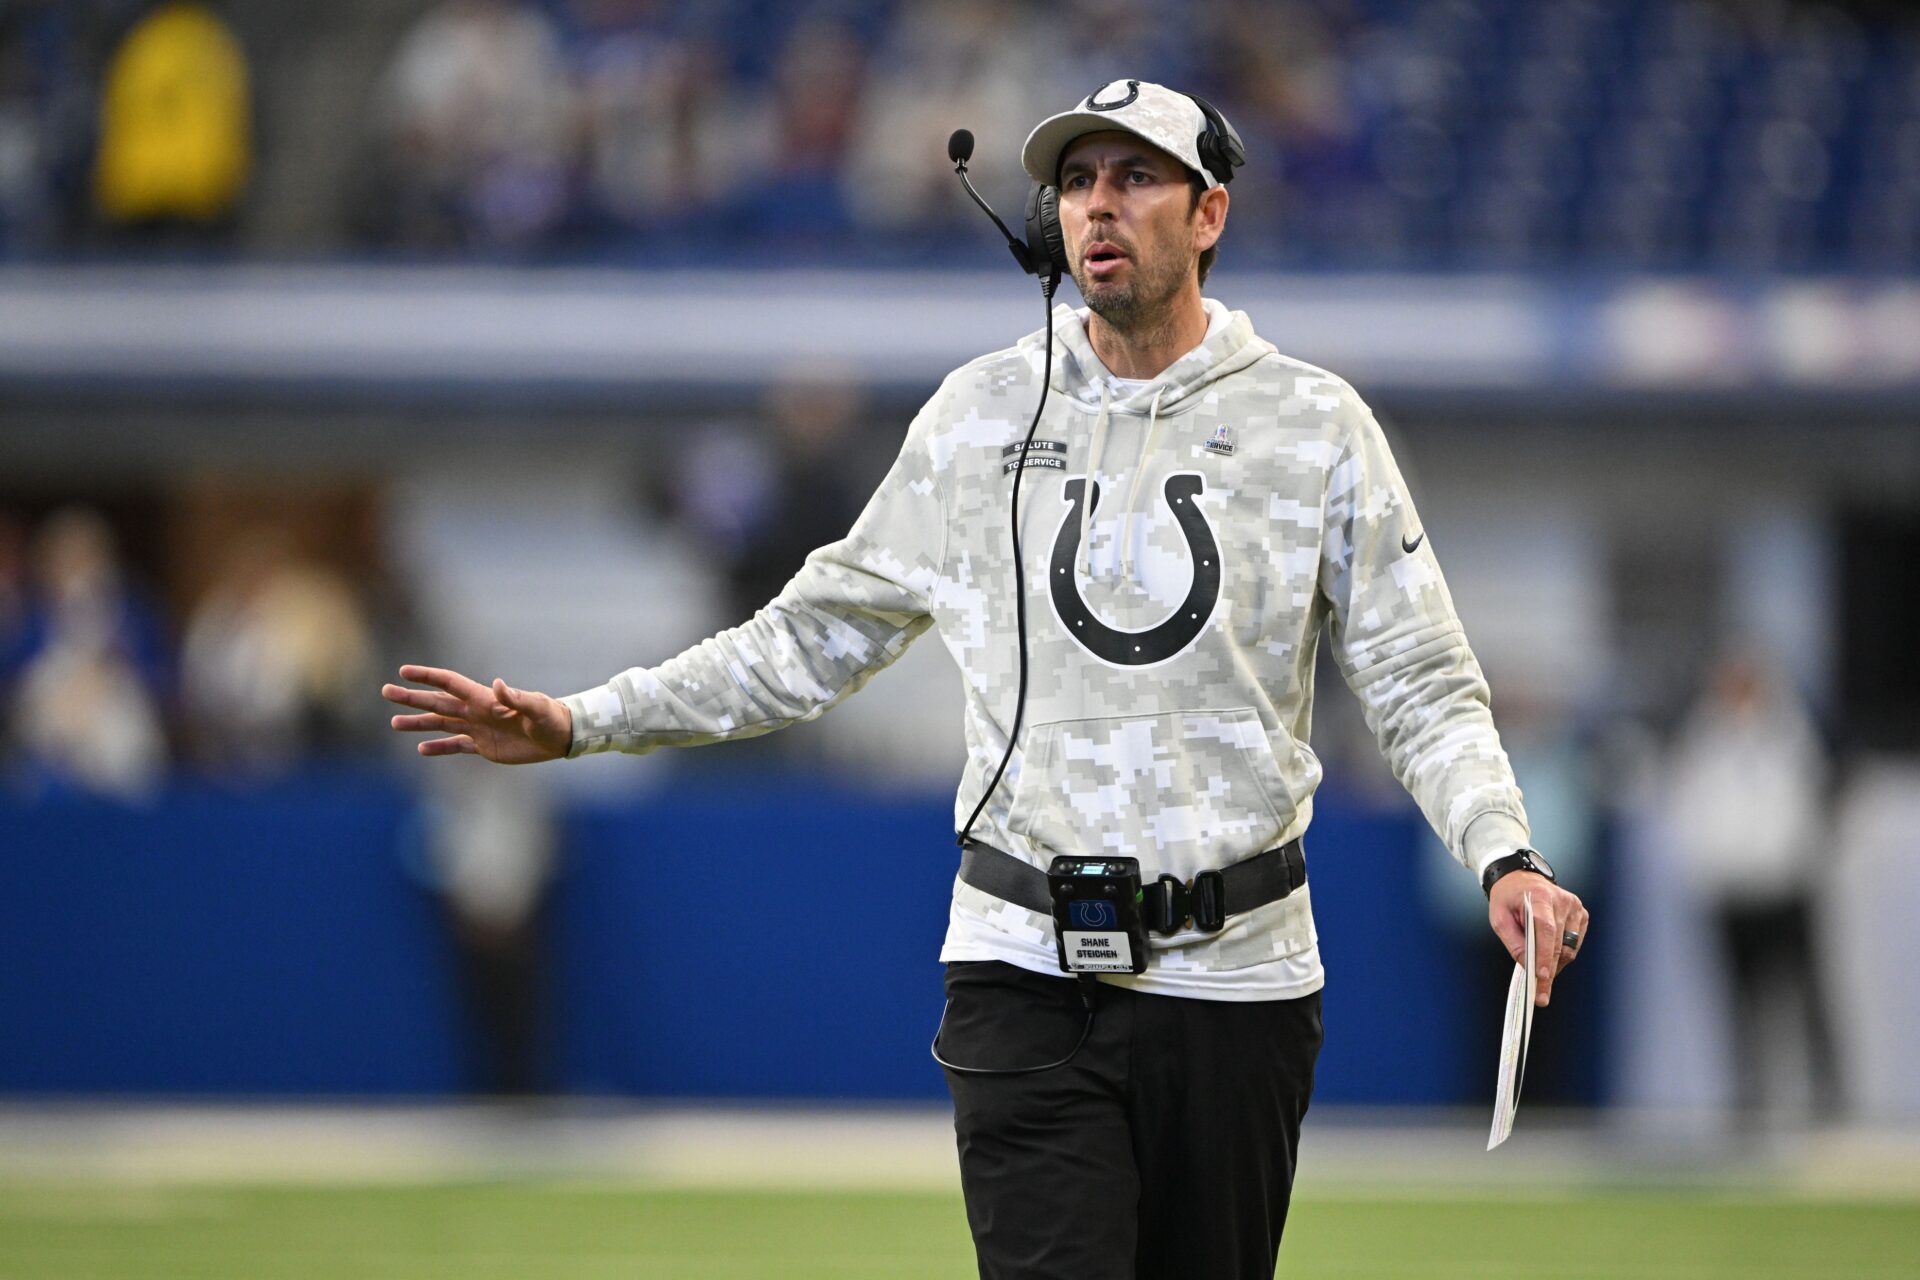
<point x="497" y="722"/>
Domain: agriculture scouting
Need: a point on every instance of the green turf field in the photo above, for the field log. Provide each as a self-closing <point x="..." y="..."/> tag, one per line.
<point x="536" y="1231"/>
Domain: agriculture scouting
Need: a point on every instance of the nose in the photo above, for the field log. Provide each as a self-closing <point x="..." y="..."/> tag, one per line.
<point x="1101" y="196"/>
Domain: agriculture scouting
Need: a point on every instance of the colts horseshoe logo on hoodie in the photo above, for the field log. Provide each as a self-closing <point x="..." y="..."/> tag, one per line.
<point x="1180" y="628"/>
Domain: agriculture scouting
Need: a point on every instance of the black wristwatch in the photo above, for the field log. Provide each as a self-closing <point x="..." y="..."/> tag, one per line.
<point x="1519" y="860"/>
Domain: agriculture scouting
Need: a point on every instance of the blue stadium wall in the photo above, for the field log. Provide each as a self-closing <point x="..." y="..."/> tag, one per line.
<point x="728" y="936"/>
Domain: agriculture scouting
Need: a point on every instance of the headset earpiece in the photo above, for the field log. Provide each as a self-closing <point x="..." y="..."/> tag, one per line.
<point x="1046" y="241"/>
<point x="1221" y="150"/>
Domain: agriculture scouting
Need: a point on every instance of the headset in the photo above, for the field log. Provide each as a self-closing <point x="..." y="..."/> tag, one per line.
<point x="1044" y="254"/>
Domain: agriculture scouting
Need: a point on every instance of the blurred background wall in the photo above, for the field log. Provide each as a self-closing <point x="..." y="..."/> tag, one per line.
<point x="540" y="338"/>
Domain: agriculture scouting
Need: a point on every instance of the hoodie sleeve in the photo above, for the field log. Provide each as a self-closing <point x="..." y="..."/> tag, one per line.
<point x="850" y="611"/>
<point x="1404" y="654"/>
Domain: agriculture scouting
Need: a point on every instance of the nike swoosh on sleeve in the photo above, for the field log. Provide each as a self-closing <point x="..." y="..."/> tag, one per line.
<point x="1411" y="547"/>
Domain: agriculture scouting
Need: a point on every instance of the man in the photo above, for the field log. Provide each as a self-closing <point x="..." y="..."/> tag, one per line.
<point x="1746" y="783"/>
<point x="1195" y="507"/>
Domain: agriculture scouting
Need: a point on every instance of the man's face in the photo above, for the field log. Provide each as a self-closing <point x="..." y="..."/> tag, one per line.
<point x="1133" y="232"/>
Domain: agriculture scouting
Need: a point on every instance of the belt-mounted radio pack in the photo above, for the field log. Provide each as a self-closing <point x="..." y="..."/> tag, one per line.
<point x="1099" y="925"/>
<point x="1102" y="911"/>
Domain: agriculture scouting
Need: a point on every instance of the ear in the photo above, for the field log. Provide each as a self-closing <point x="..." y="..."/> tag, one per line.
<point x="1210" y="218"/>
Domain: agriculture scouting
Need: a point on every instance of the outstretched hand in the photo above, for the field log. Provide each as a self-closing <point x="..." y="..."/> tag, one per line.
<point x="497" y="722"/>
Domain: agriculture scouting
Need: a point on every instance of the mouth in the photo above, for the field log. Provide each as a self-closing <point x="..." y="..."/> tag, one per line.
<point x="1103" y="258"/>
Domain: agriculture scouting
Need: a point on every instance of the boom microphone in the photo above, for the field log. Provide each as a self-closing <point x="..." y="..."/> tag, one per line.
<point x="960" y="150"/>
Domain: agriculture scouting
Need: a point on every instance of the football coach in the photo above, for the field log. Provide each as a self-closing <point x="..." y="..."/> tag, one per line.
<point x="1198" y="510"/>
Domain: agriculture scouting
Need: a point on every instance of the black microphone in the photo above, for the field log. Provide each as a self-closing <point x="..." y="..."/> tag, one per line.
<point x="960" y="150"/>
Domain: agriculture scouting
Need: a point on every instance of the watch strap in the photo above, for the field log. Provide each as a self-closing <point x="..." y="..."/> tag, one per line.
<point x="1518" y="860"/>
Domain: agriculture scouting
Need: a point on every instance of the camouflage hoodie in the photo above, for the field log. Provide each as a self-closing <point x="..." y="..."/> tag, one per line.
<point x="1240" y="500"/>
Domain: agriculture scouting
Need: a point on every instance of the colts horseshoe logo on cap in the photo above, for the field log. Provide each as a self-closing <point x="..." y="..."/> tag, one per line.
<point x="1181" y="628"/>
<point x="1094" y="103"/>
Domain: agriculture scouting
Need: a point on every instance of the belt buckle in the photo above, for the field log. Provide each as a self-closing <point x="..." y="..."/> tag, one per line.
<point x="1202" y="900"/>
<point x="1173" y="905"/>
<point x="1206" y="896"/>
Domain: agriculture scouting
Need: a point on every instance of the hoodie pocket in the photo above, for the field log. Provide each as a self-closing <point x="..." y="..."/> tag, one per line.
<point x="1182" y="791"/>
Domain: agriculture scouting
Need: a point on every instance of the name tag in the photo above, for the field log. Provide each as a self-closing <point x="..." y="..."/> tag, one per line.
<point x="1104" y="952"/>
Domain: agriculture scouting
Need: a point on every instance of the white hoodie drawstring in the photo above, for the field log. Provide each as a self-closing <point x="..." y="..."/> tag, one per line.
<point x="1093" y="472"/>
<point x="1133" y="493"/>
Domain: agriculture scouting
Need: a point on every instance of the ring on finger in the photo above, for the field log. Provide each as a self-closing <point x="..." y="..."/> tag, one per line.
<point x="1570" y="939"/>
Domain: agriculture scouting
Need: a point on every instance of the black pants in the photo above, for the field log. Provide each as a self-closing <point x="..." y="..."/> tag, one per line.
<point x="1770" y="950"/>
<point x="1164" y="1150"/>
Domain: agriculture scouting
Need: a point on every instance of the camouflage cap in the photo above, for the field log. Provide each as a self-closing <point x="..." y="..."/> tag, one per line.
<point x="1167" y="118"/>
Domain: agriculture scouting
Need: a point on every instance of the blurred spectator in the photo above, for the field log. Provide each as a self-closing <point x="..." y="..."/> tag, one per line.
<point x="1746" y="787"/>
<point x="275" y="660"/>
<point x="23" y="186"/>
<point x="86" y="712"/>
<point x="47" y="121"/>
<point x="820" y="483"/>
<point x="762" y="502"/>
<point x="473" y="131"/>
<point x="1109" y="38"/>
<point x="79" y="593"/>
<point x="660" y="121"/>
<point x="495" y="848"/>
<point x="805" y="123"/>
<point x="986" y="65"/>
<point x="176" y="143"/>
<point x="1291" y="98"/>
<point x="86" y="723"/>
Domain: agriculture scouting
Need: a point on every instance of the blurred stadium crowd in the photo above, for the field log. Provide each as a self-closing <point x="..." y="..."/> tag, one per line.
<point x="238" y="633"/>
<point x="1581" y="134"/>
<point x="1686" y="615"/>
<point x="109" y="682"/>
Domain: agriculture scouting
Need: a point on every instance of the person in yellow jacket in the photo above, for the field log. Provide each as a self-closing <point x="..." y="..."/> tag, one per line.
<point x="175" y="134"/>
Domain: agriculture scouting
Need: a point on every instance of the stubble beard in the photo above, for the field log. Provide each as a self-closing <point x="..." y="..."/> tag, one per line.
<point x="1140" y="303"/>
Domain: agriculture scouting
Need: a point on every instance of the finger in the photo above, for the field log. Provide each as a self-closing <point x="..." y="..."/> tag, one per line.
<point x="423" y="699"/>
<point x="441" y="678"/>
<point x="455" y="746"/>
<point x="510" y="699"/>
<point x="525" y="701"/>
<point x="435" y="723"/>
<point x="1546" y="944"/>
<point x="1576" y="923"/>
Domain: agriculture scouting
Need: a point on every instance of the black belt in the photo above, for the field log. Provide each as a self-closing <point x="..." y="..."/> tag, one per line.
<point x="1207" y="899"/>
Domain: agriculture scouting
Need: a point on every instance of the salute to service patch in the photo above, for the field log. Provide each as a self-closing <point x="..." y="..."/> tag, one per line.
<point x="1051" y="454"/>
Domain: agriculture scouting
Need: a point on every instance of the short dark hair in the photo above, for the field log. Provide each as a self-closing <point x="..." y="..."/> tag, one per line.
<point x="1197" y="187"/>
